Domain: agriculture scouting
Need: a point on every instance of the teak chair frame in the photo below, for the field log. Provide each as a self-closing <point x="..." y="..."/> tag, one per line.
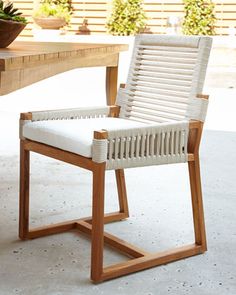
<point x="94" y="225"/>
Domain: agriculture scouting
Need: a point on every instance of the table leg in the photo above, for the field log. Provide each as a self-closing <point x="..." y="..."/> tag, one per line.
<point x="111" y="84"/>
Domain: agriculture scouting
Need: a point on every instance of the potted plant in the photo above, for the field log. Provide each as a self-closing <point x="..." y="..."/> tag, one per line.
<point x="11" y="23"/>
<point x="53" y="14"/>
<point x="127" y="18"/>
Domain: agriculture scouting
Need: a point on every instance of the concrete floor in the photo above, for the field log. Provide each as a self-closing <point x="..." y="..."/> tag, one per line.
<point x="60" y="264"/>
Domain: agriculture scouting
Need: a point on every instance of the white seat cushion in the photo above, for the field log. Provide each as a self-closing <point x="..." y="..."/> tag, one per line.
<point x="76" y="135"/>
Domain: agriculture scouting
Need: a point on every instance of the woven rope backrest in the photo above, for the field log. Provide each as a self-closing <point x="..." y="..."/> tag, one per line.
<point x="166" y="74"/>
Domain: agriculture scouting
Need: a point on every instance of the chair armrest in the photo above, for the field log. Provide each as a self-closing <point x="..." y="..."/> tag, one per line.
<point x="147" y="145"/>
<point x="74" y="113"/>
<point x="203" y="96"/>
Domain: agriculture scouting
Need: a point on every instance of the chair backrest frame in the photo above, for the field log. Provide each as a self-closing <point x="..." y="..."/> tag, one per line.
<point x="166" y="74"/>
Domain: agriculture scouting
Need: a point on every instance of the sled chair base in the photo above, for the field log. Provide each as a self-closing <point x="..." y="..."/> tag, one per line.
<point x="94" y="225"/>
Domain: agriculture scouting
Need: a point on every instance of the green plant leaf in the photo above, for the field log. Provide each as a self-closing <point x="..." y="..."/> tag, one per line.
<point x="8" y="12"/>
<point x="199" y="17"/>
<point x="127" y="17"/>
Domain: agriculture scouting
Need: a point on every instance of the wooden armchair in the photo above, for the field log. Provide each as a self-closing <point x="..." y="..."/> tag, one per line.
<point x="158" y="120"/>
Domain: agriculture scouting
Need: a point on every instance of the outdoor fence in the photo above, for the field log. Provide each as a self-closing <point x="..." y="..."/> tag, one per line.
<point x="97" y="11"/>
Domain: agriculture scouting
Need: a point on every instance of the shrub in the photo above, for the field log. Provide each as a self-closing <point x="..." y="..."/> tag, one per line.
<point x="199" y="17"/>
<point x="56" y="8"/>
<point x="127" y="18"/>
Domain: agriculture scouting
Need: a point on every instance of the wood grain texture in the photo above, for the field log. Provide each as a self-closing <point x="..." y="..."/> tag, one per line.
<point x="59" y="154"/>
<point x="114" y="242"/>
<point x="111" y="84"/>
<point x="195" y="134"/>
<point x="122" y="193"/>
<point x="197" y="203"/>
<point x="148" y="261"/>
<point x="97" y="239"/>
<point x="21" y="55"/>
<point x="24" y="63"/>
<point x="60" y="227"/>
<point x="24" y="192"/>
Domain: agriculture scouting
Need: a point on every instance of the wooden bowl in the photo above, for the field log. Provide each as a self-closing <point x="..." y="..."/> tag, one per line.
<point x="9" y="30"/>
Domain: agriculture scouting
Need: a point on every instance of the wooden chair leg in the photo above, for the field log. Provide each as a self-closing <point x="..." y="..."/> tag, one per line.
<point x="197" y="203"/>
<point x="97" y="238"/>
<point x="24" y="192"/>
<point x="122" y="194"/>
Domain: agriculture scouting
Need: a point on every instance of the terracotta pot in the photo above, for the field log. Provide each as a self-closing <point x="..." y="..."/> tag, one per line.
<point x="52" y="23"/>
<point x="9" y="30"/>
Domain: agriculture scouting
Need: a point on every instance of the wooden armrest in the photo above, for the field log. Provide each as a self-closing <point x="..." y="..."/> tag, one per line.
<point x="101" y="134"/>
<point x="195" y="124"/>
<point x="195" y="134"/>
<point x="26" y="116"/>
<point x="204" y="96"/>
<point x="114" y="111"/>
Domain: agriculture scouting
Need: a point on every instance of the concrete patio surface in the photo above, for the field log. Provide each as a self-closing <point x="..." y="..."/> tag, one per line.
<point x="159" y="198"/>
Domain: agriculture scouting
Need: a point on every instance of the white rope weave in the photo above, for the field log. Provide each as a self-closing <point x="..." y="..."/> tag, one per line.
<point x="77" y="113"/>
<point x="197" y="109"/>
<point x="99" y="150"/>
<point x="166" y="74"/>
<point x="154" y="144"/>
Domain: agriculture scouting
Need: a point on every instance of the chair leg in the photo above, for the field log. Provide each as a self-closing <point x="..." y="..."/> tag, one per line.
<point x="122" y="194"/>
<point x="24" y="192"/>
<point x="197" y="203"/>
<point x="97" y="238"/>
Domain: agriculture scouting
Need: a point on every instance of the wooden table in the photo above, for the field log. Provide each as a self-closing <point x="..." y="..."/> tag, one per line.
<point x="24" y="63"/>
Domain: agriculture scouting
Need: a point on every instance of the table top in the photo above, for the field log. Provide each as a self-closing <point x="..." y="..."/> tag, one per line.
<point x="26" y="62"/>
<point x="25" y="54"/>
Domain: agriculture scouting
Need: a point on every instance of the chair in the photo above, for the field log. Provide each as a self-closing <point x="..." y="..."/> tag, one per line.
<point x="158" y="120"/>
